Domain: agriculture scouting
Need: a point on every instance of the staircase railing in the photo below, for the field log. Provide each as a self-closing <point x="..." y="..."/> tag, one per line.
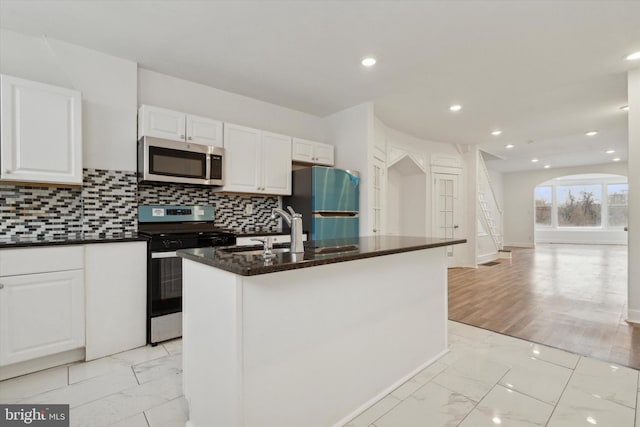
<point x="489" y="206"/>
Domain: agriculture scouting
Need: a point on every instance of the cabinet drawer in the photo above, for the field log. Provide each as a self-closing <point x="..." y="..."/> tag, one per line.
<point x="15" y="262"/>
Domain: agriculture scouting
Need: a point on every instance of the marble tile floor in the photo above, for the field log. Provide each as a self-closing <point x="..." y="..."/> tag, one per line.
<point x="487" y="379"/>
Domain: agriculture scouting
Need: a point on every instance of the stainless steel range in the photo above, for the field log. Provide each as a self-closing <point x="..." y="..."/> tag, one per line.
<point x="171" y="228"/>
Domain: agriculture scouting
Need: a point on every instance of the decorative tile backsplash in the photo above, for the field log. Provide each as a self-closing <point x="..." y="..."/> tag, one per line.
<point x="229" y="208"/>
<point x="107" y="204"/>
<point x="109" y="199"/>
<point x="31" y="211"/>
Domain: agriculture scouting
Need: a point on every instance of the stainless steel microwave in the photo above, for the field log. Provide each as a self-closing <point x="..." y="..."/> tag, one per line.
<point x="164" y="160"/>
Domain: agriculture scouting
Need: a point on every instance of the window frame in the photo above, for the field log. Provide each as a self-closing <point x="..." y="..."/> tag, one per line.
<point x="604" y="184"/>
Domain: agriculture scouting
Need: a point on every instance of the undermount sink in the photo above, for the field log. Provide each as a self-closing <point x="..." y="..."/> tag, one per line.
<point x="251" y="251"/>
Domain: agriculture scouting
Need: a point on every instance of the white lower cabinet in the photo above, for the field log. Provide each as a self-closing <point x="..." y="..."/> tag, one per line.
<point x="116" y="282"/>
<point x="41" y="314"/>
<point x="60" y="303"/>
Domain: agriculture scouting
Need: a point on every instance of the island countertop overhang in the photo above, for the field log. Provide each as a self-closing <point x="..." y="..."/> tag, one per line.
<point x="364" y="247"/>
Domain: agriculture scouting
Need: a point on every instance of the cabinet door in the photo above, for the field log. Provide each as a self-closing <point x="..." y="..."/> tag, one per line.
<point x="116" y="297"/>
<point x="202" y="130"/>
<point x="40" y="315"/>
<point x="324" y="154"/>
<point x="41" y="132"/>
<point x="276" y="164"/>
<point x="161" y="123"/>
<point x="242" y="159"/>
<point x="302" y="150"/>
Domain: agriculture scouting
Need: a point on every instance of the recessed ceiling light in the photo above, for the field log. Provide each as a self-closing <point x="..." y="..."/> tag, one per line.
<point x="455" y="107"/>
<point x="509" y="146"/>
<point x="369" y="62"/>
<point x="496" y="420"/>
<point x="616" y="159"/>
<point x="633" y="56"/>
<point x="591" y="133"/>
<point x="496" y="132"/>
<point x="610" y="151"/>
<point x="546" y="167"/>
<point x="534" y="160"/>
<point x="625" y="108"/>
<point x="591" y="420"/>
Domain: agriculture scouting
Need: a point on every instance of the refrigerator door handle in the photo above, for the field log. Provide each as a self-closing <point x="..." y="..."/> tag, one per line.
<point x="333" y="214"/>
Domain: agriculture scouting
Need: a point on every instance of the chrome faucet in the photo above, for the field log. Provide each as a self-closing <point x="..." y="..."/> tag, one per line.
<point x="294" y="221"/>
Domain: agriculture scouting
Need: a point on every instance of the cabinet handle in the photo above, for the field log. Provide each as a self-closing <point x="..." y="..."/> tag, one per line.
<point x="182" y="136"/>
<point x="189" y="138"/>
<point x="1" y="286"/>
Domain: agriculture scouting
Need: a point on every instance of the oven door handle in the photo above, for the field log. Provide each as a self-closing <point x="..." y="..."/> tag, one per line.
<point x="155" y="255"/>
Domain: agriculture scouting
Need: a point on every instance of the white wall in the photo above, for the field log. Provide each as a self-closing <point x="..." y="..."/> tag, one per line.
<point x="464" y="254"/>
<point x="177" y="94"/>
<point x="518" y="198"/>
<point x="350" y="131"/>
<point x="406" y="200"/>
<point x="108" y="85"/>
<point x="634" y="196"/>
<point x="424" y="148"/>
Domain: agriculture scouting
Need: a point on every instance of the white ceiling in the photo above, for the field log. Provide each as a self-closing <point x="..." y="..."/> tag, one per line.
<point x="541" y="71"/>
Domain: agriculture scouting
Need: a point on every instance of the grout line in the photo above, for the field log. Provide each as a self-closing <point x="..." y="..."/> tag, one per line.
<point x="133" y="371"/>
<point x="573" y="371"/>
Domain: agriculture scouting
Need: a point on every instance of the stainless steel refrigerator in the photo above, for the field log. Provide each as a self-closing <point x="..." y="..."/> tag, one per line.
<point x="328" y="199"/>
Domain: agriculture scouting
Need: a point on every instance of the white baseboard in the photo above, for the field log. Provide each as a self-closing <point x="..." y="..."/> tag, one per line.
<point x="520" y="245"/>
<point x="487" y="257"/>
<point x="41" y="363"/>
<point x="633" y="316"/>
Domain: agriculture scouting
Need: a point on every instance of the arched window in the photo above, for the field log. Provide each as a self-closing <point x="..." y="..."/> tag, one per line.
<point x="582" y="201"/>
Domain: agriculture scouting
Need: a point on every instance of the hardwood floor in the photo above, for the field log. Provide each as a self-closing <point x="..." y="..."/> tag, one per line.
<point x="572" y="297"/>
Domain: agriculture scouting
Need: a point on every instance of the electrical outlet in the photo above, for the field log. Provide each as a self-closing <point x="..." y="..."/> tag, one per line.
<point x="248" y="209"/>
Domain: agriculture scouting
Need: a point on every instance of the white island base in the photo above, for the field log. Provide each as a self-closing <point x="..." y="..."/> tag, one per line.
<point x="311" y="346"/>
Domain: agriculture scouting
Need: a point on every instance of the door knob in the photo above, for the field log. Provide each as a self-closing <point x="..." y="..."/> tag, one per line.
<point x="455" y="226"/>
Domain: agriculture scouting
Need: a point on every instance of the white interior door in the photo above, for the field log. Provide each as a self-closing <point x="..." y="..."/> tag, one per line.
<point x="446" y="210"/>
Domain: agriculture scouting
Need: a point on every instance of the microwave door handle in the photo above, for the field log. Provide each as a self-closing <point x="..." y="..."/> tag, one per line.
<point x="208" y="168"/>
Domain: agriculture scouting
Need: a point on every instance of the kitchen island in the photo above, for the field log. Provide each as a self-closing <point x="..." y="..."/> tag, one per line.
<point x="309" y="339"/>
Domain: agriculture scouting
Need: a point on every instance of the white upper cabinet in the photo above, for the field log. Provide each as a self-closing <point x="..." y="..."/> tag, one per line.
<point x="307" y="151"/>
<point x="202" y="130"/>
<point x="256" y="161"/>
<point x="177" y="126"/>
<point x="241" y="158"/>
<point x="41" y="132"/>
<point x="276" y="163"/>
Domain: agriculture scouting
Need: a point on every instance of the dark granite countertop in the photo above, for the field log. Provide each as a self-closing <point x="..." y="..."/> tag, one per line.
<point x="68" y="239"/>
<point x="244" y="262"/>
<point x="254" y="233"/>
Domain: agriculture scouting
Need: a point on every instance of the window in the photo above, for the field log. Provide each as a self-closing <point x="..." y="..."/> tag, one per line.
<point x="617" y="195"/>
<point x="543" y="195"/>
<point x="596" y="201"/>
<point x="579" y="205"/>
